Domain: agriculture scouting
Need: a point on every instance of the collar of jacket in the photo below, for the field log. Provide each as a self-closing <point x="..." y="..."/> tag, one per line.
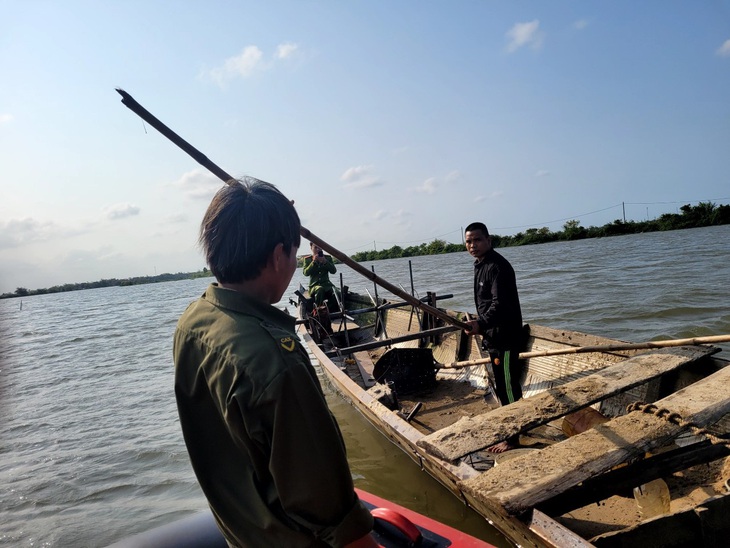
<point x="242" y="303"/>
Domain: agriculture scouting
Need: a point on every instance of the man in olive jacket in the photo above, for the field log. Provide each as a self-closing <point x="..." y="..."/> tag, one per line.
<point x="264" y="446"/>
<point x="318" y="267"/>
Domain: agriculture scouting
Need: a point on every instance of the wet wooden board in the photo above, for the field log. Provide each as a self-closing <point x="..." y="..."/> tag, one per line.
<point x="707" y="526"/>
<point x="525" y="481"/>
<point x="625" y="478"/>
<point x="475" y="433"/>
<point x="366" y="368"/>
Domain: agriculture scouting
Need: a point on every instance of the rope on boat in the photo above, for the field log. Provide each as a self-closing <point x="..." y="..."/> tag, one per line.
<point x="327" y="334"/>
<point x="676" y="418"/>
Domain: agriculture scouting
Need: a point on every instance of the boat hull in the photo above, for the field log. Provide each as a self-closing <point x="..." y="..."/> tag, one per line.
<point x="543" y="376"/>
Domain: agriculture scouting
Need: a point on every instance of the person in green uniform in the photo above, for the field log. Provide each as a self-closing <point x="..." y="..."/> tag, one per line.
<point x="318" y="267"/>
<point x="267" y="452"/>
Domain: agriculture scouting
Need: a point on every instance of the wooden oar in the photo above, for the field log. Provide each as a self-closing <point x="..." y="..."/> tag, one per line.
<point x="203" y="160"/>
<point x="602" y="348"/>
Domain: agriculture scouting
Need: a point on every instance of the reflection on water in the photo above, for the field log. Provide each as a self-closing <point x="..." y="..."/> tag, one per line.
<point x="90" y="448"/>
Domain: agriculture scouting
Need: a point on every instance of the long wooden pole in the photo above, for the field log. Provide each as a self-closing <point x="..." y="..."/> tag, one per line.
<point x="357" y="267"/>
<point x="387" y="342"/>
<point x="357" y="311"/>
<point x="203" y="160"/>
<point x="602" y="348"/>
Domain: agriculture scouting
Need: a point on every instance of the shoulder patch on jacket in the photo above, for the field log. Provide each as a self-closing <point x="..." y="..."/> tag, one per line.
<point x="287" y="343"/>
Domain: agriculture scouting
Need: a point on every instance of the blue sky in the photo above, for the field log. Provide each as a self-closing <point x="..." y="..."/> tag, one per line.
<point x="387" y="122"/>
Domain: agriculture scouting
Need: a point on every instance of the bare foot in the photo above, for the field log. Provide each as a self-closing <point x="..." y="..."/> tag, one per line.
<point x="501" y="447"/>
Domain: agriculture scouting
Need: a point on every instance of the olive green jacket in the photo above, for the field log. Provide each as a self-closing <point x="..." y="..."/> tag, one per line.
<point x="319" y="273"/>
<point x="265" y="448"/>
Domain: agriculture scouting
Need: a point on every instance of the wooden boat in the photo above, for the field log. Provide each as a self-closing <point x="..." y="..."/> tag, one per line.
<point x="568" y="492"/>
<point x="395" y="527"/>
<point x="569" y="484"/>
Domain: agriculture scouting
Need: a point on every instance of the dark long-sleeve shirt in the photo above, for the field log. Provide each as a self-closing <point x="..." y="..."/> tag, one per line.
<point x="497" y="301"/>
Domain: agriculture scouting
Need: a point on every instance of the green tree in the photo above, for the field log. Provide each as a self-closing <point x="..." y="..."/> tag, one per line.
<point x="396" y="251"/>
<point x="573" y="231"/>
<point x="435" y="247"/>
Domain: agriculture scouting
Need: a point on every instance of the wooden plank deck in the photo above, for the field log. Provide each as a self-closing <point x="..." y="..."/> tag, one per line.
<point x="471" y="434"/>
<point x="707" y="526"/>
<point x="365" y="364"/>
<point x="525" y="481"/>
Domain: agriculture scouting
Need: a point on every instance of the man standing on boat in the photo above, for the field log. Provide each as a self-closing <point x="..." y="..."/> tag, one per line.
<point x="264" y="446"/>
<point x="318" y="267"/>
<point x="499" y="317"/>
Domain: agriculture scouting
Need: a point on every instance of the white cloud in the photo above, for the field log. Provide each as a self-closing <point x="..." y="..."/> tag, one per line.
<point x="427" y="187"/>
<point x="284" y="51"/>
<point x="17" y="232"/>
<point x="402" y="217"/>
<point x="724" y="50"/>
<point x="354" y="173"/>
<point x="6" y="118"/>
<point x="248" y="62"/>
<point x="242" y="65"/>
<point x="121" y="211"/>
<point x="176" y="218"/>
<point x="494" y="195"/>
<point x="360" y="177"/>
<point x="542" y="173"/>
<point x="453" y="177"/>
<point x="380" y="214"/>
<point x="432" y="184"/>
<point x="23" y="232"/>
<point x="525" y="34"/>
<point x="83" y="258"/>
<point x="198" y="184"/>
<point x="580" y="24"/>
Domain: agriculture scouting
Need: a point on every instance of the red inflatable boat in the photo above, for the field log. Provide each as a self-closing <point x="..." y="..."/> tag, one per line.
<point x="395" y="527"/>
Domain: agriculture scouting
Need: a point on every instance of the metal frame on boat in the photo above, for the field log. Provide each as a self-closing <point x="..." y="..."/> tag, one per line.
<point x="558" y="490"/>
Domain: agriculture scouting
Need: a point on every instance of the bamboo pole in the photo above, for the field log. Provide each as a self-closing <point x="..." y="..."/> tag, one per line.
<point x="357" y="267"/>
<point x="357" y="311"/>
<point x="601" y="348"/>
<point x="202" y="159"/>
<point x="388" y="342"/>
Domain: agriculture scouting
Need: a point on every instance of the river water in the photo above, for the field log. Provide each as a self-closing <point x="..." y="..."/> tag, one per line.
<point x="90" y="446"/>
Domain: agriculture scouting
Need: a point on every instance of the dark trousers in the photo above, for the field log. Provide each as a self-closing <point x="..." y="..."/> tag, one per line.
<point x="325" y="293"/>
<point x="507" y="368"/>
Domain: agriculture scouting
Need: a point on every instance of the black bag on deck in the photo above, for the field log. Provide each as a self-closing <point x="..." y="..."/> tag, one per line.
<point x="409" y="369"/>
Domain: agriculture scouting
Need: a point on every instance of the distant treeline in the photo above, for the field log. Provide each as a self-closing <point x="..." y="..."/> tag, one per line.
<point x="703" y="214"/>
<point x="23" y="292"/>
